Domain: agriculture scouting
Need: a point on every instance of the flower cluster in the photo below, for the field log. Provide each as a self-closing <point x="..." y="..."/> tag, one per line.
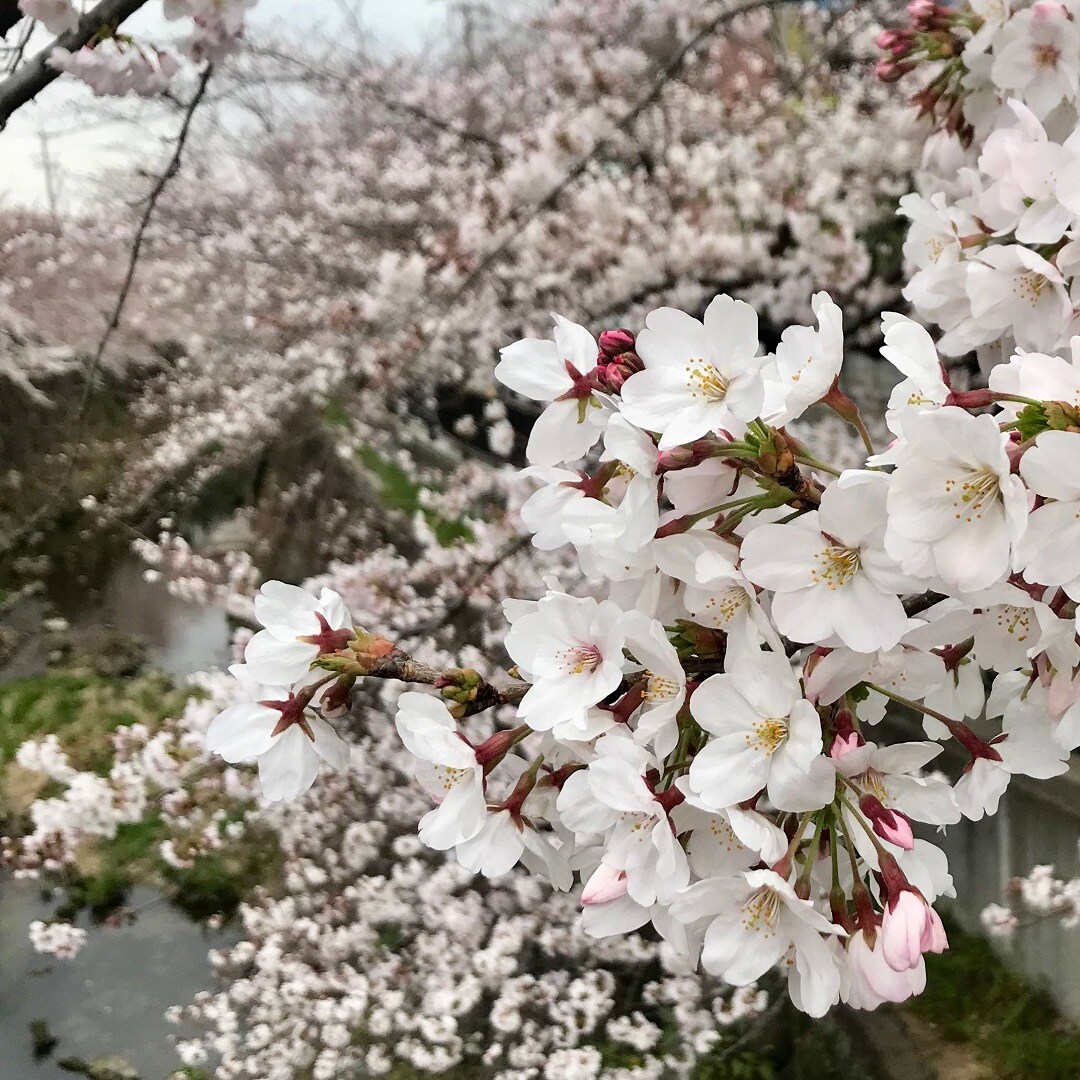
<point x="378" y="954"/>
<point x="692" y="737"/>
<point x="59" y="939"/>
<point x="1039" y="894"/>
<point x="992" y="243"/>
<point x="116" y="67"/>
<point x="114" y="64"/>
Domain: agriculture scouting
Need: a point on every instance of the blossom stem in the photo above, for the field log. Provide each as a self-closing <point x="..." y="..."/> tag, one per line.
<point x="856" y="813"/>
<point x="957" y="728"/>
<point x="783" y="867"/>
<point x="813" y="463"/>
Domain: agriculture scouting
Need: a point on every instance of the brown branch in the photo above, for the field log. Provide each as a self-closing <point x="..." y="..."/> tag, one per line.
<point x="30" y="79"/>
<point x="476" y="693"/>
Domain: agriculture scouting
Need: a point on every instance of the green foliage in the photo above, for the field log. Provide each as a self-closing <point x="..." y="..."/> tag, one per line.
<point x="81" y="709"/>
<point x="220" y="882"/>
<point x="1031" y="421"/>
<point x="973" y="997"/>
<point x="749" y="1064"/>
<point x="399" y="491"/>
<point x="884" y="240"/>
<point x="335" y="414"/>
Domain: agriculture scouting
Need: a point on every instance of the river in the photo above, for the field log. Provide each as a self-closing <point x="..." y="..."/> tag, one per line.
<point x="112" y="997"/>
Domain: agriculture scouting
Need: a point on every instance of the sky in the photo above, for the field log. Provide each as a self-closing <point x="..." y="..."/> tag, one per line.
<point x="80" y="149"/>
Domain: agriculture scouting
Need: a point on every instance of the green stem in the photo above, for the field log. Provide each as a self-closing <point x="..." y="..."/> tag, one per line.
<point x="813" y="463"/>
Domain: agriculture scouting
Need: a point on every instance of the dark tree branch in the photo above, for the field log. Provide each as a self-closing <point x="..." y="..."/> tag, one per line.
<point x="32" y="77"/>
<point x="9" y="15"/>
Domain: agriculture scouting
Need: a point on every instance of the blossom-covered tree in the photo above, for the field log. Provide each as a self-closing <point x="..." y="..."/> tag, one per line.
<point x="718" y="611"/>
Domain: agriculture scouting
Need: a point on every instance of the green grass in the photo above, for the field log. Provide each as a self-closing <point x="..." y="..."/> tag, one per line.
<point x="82" y="709"/>
<point x="973" y="997"/>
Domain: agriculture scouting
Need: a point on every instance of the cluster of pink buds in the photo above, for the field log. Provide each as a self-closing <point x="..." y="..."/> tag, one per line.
<point x="932" y="36"/>
<point x="617" y="359"/>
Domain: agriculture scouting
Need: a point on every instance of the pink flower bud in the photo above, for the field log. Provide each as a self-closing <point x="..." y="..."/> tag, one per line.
<point x="909" y="928"/>
<point x="847" y="738"/>
<point x="613" y="343"/>
<point x="889" y="824"/>
<point x="612" y="376"/>
<point x="844" y="744"/>
<point x="605" y="885"/>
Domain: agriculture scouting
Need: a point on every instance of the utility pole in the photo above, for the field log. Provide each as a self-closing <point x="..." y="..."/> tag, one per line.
<point x="52" y="178"/>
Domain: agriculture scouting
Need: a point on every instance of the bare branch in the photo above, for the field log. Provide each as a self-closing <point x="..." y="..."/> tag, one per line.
<point x="170" y="170"/>
<point x="29" y="80"/>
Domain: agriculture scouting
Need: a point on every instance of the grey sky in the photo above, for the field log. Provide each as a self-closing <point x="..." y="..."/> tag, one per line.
<point x="80" y="153"/>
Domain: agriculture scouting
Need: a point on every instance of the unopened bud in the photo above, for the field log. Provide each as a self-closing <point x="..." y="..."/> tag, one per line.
<point x="889" y="824"/>
<point x="606" y="884"/>
<point x="336" y="699"/>
<point x="613" y="343"/>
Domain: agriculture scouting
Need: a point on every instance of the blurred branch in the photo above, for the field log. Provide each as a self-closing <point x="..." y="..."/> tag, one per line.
<point x="9" y="15"/>
<point x="160" y="183"/>
<point x="308" y="73"/>
<point x="523" y="216"/>
<point x="170" y="170"/>
<point x="29" y="80"/>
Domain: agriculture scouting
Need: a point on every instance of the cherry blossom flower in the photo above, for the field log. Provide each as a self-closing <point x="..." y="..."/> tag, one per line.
<point x="1037" y="54"/>
<point x="448" y="768"/>
<point x="764" y="734"/>
<point x="807" y="362"/>
<point x="955" y="511"/>
<point x="279" y="729"/>
<point x="570" y="649"/>
<point x="1050" y="549"/>
<point x="664" y="682"/>
<point x="613" y="796"/>
<point x="697" y="377"/>
<point x="1014" y="288"/>
<point x="869" y="981"/>
<point x="754" y="919"/>
<point x="298" y="627"/>
<point x="829" y="571"/>
<point x="557" y="372"/>
<point x="57" y="16"/>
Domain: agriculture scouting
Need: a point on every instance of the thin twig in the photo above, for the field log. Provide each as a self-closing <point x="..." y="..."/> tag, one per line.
<point x="79" y="422"/>
<point x="507" y="551"/>
<point x="522" y="218"/>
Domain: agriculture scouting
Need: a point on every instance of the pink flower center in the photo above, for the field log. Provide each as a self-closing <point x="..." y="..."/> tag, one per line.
<point x="581" y="659"/>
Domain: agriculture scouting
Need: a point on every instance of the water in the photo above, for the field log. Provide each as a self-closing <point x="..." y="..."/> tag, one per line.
<point x="180" y="637"/>
<point x="111" y="998"/>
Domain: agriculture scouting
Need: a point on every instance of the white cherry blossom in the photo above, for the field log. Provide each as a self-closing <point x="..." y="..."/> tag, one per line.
<point x="557" y="372"/>
<point x="698" y="377"/>
<point x="764" y="734"/>
<point x="955" y="510"/>
<point x="829" y="572"/>
<point x="277" y="729"/>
